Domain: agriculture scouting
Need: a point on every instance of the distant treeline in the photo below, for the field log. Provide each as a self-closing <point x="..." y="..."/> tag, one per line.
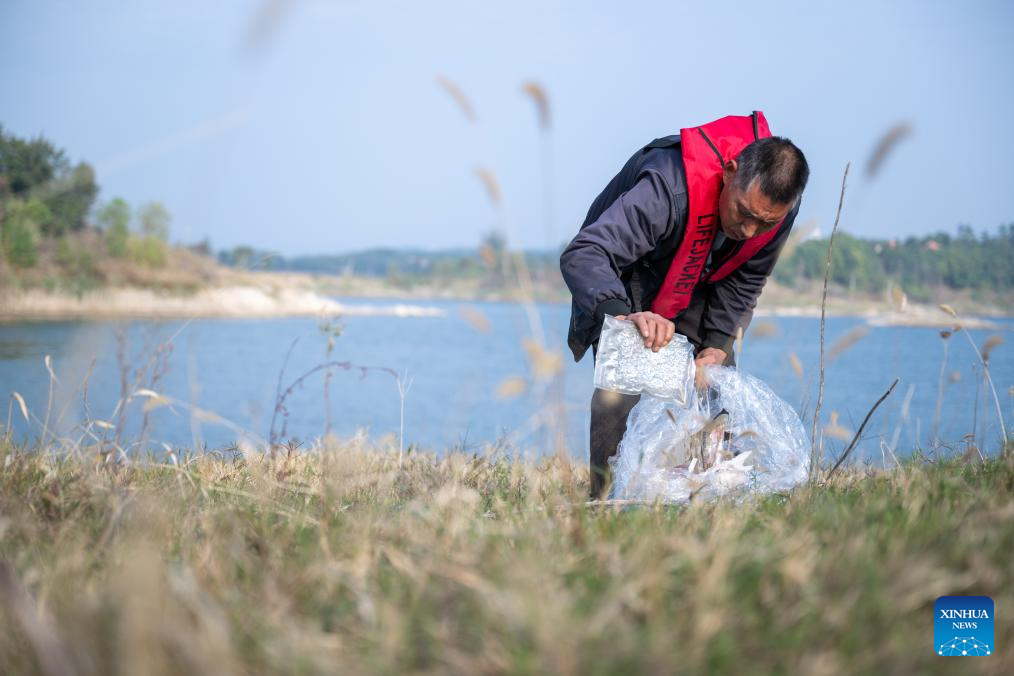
<point x="490" y="257"/>
<point x="370" y="263"/>
<point x="918" y="264"/>
<point x="381" y="262"/>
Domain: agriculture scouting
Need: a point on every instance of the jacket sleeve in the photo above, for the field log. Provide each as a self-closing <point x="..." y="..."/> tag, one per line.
<point x="733" y="299"/>
<point x="628" y="229"/>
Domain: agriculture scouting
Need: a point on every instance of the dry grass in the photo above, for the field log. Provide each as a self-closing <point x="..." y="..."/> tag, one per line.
<point x="91" y="268"/>
<point x="337" y="561"/>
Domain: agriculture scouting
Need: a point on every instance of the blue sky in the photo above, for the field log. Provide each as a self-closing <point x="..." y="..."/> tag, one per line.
<point x="327" y="132"/>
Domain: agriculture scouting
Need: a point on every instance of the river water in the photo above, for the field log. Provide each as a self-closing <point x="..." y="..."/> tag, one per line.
<point x="452" y="370"/>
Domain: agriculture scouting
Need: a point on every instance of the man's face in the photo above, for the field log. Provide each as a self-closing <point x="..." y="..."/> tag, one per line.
<point x="746" y="213"/>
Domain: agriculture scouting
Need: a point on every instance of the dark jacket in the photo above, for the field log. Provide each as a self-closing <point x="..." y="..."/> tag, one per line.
<point x="637" y="223"/>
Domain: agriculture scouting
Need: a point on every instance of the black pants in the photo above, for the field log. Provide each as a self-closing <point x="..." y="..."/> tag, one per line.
<point x="609" y="410"/>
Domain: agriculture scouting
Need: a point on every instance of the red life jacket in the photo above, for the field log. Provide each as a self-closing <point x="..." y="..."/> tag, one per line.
<point x="705" y="152"/>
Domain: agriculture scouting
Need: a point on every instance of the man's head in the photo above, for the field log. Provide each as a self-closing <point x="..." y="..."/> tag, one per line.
<point x="761" y="186"/>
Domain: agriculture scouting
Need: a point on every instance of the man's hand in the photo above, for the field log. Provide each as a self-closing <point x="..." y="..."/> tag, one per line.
<point x="656" y="330"/>
<point x="706" y="357"/>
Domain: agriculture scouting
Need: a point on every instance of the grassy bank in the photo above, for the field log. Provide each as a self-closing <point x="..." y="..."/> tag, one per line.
<point x="349" y="561"/>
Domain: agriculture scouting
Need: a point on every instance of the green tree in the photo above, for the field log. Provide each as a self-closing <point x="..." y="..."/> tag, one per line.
<point x="114" y="219"/>
<point x="150" y="247"/>
<point x="154" y="218"/>
<point x="70" y="198"/>
<point x="37" y="169"/>
<point x="28" y="164"/>
<point x="19" y="231"/>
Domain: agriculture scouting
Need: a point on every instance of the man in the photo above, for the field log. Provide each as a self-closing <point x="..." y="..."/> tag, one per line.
<point x="682" y="240"/>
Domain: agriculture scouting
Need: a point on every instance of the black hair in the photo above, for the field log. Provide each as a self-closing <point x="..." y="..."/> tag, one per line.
<point x="778" y="164"/>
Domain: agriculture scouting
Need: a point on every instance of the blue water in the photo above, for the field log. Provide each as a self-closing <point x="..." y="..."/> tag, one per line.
<point x="231" y="367"/>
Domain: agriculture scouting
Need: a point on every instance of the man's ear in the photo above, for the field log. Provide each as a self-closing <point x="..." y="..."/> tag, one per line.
<point x="728" y="171"/>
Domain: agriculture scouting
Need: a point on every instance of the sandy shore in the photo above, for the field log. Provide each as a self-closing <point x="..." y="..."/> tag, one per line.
<point x="266" y="295"/>
<point x="225" y="301"/>
<point x="914" y="315"/>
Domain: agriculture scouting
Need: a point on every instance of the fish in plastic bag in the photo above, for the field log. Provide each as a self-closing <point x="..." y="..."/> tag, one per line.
<point x="737" y="437"/>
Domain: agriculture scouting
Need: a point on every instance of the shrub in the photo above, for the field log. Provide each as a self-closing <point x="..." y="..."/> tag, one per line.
<point x="20" y="231"/>
<point x="114" y="219"/>
<point x="147" y="250"/>
<point x="78" y="264"/>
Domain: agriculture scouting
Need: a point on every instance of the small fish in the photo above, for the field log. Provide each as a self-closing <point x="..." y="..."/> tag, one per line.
<point x="714" y="440"/>
<point x="702" y="449"/>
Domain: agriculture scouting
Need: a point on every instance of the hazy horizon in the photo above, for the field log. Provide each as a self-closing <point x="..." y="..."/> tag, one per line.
<point x="304" y="126"/>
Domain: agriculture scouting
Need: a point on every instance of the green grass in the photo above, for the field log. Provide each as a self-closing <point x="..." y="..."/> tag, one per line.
<point x="341" y="561"/>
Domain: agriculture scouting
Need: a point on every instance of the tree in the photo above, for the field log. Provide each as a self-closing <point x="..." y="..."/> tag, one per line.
<point x="19" y="231"/>
<point x="37" y="169"/>
<point x="150" y="248"/>
<point x="28" y="164"/>
<point x="69" y="198"/>
<point x="154" y="218"/>
<point x="114" y="219"/>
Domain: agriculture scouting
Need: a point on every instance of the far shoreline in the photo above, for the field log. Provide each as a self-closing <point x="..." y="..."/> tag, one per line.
<point x="275" y="295"/>
<point x="224" y="302"/>
<point x="916" y="315"/>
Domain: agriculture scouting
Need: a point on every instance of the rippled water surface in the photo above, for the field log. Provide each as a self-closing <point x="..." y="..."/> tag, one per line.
<point x="453" y="369"/>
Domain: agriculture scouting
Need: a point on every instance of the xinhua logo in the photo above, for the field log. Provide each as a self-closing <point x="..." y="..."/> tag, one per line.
<point x="963" y="626"/>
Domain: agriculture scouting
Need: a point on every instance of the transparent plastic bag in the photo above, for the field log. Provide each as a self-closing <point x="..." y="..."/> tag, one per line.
<point x="735" y="438"/>
<point x="623" y="364"/>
